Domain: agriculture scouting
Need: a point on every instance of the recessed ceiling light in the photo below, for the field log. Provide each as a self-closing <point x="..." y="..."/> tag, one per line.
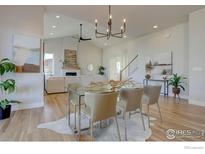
<point x="125" y="36"/>
<point x="155" y="26"/>
<point x="57" y="17"/>
<point x="51" y="33"/>
<point x="53" y="26"/>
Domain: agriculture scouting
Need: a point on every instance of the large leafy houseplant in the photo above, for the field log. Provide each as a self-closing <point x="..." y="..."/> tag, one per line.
<point x="7" y="86"/>
<point x="176" y="82"/>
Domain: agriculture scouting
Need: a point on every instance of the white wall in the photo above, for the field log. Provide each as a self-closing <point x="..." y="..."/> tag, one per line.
<point x="87" y="53"/>
<point x="26" y="20"/>
<point x="150" y="45"/>
<point x="197" y="57"/>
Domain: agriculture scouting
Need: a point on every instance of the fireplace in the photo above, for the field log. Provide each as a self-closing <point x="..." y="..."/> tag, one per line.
<point x="69" y="72"/>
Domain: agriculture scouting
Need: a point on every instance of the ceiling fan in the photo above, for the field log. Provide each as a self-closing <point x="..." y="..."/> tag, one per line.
<point x="80" y="38"/>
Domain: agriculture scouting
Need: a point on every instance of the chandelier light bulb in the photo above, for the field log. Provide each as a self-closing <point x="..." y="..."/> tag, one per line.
<point x="96" y="21"/>
<point x="57" y="16"/>
<point x="124" y="20"/>
<point x="155" y="26"/>
<point x="110" y="16"/>
<point x="121" y="28"/>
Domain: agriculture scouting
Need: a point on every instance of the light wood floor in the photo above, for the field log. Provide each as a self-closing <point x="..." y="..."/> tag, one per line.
<point x="22" y="126"/>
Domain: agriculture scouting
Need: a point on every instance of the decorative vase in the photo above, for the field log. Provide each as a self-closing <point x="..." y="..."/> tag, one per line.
<point x="164" y="77"/>
<point x="176" y="91"/>
<point x="147" y="76"/>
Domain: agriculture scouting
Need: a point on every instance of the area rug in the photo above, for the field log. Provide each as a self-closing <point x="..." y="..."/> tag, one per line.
<point x="135" y="131"/>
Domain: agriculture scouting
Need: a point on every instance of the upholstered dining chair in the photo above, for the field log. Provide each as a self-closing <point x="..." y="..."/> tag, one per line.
<point x="74" y="100"/>
<point x="101" y="106"/>
<point x="130" y="100"/>
<point x="151" y="97"/>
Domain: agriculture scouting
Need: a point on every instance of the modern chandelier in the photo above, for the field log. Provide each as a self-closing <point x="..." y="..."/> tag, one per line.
<point x="109" y="33"/>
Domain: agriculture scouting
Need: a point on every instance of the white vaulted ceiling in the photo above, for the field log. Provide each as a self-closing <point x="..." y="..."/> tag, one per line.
<point x="140" y="19"/>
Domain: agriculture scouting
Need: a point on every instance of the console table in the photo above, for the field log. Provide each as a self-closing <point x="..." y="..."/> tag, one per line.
<point x="165" y="83"/>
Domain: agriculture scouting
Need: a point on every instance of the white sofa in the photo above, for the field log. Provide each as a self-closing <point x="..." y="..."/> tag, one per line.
<point x="55" y="85"/>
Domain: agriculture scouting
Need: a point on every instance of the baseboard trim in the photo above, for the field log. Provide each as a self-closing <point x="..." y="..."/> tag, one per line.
<point x="23" y="106"/>
<point x="196" y="102"/>
<point x="181" y="96"/>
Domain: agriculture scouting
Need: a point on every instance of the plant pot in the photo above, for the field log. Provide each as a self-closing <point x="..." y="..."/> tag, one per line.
<point x="5" y="113"/>
<point x="147" y="76"/>
<point x="176" y="91"/>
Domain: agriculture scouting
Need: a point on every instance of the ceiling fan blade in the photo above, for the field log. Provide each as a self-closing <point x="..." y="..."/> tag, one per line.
<point x="80" y="38"/>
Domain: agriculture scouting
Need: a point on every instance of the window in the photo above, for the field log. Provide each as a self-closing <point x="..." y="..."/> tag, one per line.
<point x="49" y="63"/>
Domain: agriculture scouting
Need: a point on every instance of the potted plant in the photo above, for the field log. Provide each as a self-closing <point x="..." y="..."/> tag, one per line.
<point x="7" y="86"/>
<point x="176" y="82"/>
<point x="101" y="70"/>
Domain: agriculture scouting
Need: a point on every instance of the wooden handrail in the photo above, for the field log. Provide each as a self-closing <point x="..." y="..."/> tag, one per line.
<point x="121" y="71"/>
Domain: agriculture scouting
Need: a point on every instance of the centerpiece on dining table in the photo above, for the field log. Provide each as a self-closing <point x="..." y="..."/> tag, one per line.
<point x="110" y="85"/>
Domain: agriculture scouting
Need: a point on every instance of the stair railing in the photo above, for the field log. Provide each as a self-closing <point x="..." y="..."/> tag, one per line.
<point x="121" y="71"/>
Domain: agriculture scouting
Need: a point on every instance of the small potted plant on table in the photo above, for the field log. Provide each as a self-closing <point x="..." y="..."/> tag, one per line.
<point x="7" y="86"/>
<point x="176" y="82"/>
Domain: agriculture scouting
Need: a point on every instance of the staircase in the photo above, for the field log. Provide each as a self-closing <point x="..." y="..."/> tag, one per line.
<point x="127" y="66"/>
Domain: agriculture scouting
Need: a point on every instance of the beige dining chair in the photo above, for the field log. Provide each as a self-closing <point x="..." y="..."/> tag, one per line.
<point x="101" y="106"/>
<point x="130" y="100"/>
<point x="151" y="97"/>
<point x="74" y="100"/>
